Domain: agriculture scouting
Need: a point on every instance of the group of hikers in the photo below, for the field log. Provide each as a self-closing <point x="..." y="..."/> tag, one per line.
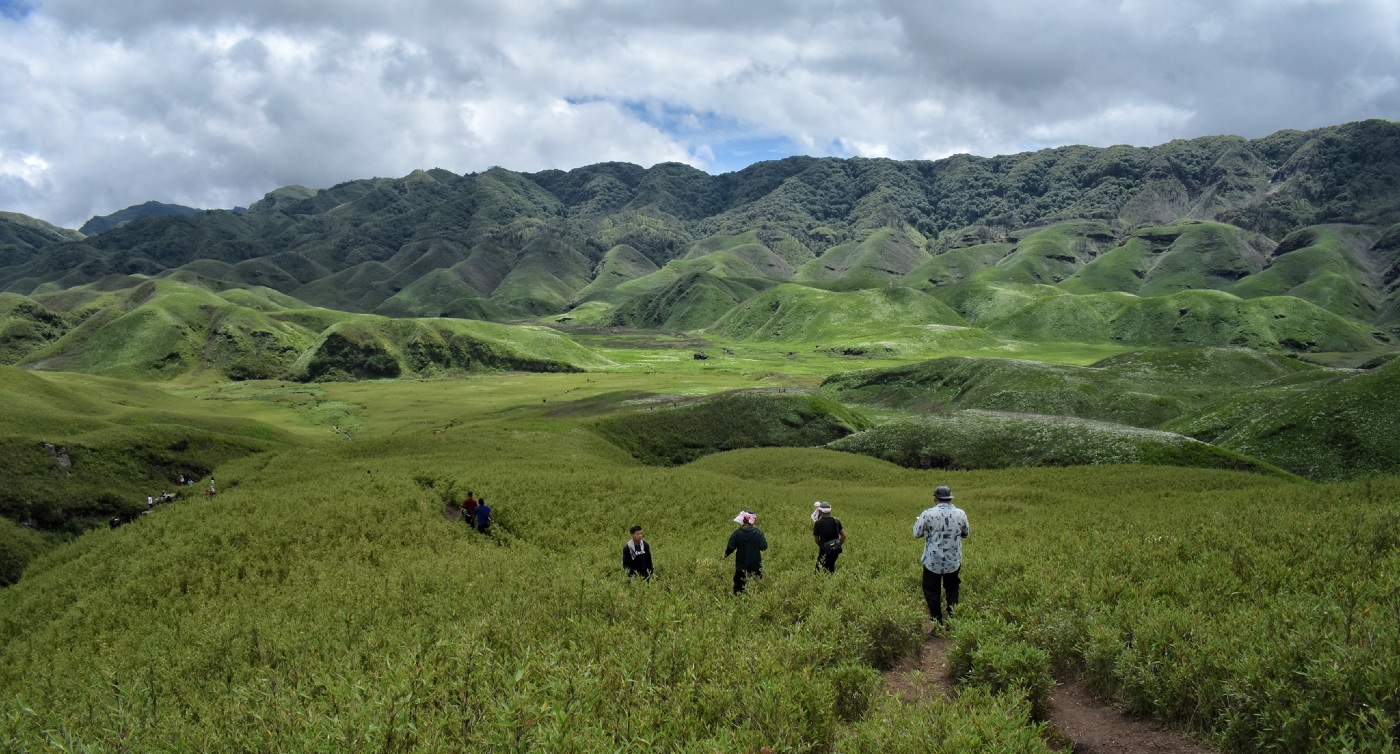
<point x="164" y="497"/>
<point x="476" y="513"/>
<point x="943" y="527"/>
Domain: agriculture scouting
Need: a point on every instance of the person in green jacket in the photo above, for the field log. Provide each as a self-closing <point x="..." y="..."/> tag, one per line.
<point x="749" y="542"/>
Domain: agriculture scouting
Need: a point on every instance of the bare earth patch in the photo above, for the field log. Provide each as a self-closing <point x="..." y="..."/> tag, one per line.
<point x="1095" y="728"/>
<point x="1075" y="716"/>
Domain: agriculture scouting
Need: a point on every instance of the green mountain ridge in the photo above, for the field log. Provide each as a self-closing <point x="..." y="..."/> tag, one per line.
<point x="1083" y="219"/>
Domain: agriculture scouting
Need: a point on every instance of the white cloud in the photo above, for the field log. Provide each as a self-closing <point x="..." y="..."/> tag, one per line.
<point x="212" y="104"/>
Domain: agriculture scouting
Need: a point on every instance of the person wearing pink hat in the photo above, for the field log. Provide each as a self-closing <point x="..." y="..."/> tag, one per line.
<point x="748" y="541"/>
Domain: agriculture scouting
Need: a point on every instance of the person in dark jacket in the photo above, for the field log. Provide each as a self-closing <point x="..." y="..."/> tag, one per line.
<point x="748" y="541"/>
<point x="483" y="516"/>
<point x="830" y="536"/>
<point x="636" y="555"/>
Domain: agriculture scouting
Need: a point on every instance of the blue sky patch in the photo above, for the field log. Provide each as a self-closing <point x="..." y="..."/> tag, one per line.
<point x="16" y="10"/>
<point x="726" y="143"/>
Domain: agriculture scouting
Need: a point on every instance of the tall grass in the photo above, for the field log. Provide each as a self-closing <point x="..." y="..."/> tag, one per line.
<point x="324" y="602"/>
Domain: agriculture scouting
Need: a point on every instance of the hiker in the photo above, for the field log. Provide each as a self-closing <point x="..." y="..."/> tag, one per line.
<point x="636" y="555"/>
<point x="469" y="508"/>
<point x="749" y="542"/>
<point x="483" y="516"/>
<point x="944" y="527"/>
<point x="829" y="534"/>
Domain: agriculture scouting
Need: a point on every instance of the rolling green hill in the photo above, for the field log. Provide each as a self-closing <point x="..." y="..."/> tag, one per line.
<point x="798" y="314"/>
<point x="664" y="432"/>
<point x="1140" y="389"/>
<point x="173" y="327"/>
<point x="1189" y="318"/>
<point x="989" y="440"/>
<point x="1344" y="428"/>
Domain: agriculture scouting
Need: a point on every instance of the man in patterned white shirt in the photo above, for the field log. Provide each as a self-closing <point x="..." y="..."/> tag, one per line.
<point x="943" y="527"/>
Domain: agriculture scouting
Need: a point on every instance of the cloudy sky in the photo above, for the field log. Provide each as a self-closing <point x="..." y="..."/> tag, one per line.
<point x="105" y="104"/>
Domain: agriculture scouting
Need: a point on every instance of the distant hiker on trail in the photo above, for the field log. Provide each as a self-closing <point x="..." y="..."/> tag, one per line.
<point x="829" y="534"/>
<point x="483" y="516"/>
<point x="944" y="527"/>
<point x="469" y="509"/>
<point x="749" y="542"/>
<point x="636" y="555"/>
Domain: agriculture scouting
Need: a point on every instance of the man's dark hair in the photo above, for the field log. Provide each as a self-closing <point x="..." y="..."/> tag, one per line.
<point x="634" y="530"/>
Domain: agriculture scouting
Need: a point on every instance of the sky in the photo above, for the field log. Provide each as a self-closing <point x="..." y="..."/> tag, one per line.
<point x="106" y="104"/>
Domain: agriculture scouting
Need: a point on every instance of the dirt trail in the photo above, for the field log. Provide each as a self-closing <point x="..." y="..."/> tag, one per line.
<point x="1075" y="716"/>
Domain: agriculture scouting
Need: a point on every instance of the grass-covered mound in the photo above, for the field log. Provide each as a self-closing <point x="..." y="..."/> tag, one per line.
<point x="25" y="327"/>
<point x="954" y="266"/>
<point x="976" y="439"/>
<point x="880" y="259"/>
<point x="620" y="264"/>
<point x="1346" y="428"/>
<point x="1320" y="264"/>
<point x="691" y="302"/>
<point x="168" y="328"/>
<point x="440" y="293"/>
<point x="1049" y="255"/>
<point x="675" y="432"/>
<point x="1160" y="261"/>
<point x="985" y="303"/>
<point x="1142" y="388"/>
<point x="374" y="347"/>
<point x="799" y="314"/>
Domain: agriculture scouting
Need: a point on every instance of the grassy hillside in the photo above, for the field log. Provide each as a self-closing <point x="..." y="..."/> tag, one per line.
<point x="799" y="314"/>
<point x="1320" y="265"/>
<point x="666" y="432"/>
<point x="1343" y="429"/>
<point x="978" y="439"/>
<point x="691" y="302"/>
<point x="162" y="329"/>
<point x="329" y="602"/>
<point x="1141" y="389"/>
<point x="883" y="258"/>
<point x="1189" y="255"/>
<point x="26" y="326"/>
<point x="1189" y="318"/>
<point x="76" y="451"/>
<point x="620" y="264"/>
<point x="376" y="348"/>
<point x="1049" y="255"/>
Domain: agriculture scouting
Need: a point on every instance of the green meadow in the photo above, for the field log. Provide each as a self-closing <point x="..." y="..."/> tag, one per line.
<point x="1159" y="380"/>
<point x="328" y="599"/>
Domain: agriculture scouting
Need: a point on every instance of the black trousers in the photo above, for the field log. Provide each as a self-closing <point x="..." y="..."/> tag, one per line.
<point x="933" y="584"/>
<point x="741" y="578"/>
<point x="826" y="561"/>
